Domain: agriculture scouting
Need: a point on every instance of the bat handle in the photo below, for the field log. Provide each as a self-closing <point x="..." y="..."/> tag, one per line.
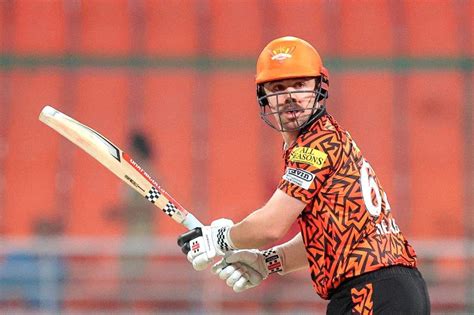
<point x="191" y="222"/>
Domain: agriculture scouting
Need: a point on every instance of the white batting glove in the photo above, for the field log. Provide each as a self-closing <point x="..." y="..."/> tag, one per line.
<point x="203" y="244"/>
<point x="245" y="269"/>
<point x="238" y="276"/>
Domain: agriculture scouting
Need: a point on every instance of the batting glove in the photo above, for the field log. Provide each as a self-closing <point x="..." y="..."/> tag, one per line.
<point x="201" y="245"/>
<point x="245" y="269"/>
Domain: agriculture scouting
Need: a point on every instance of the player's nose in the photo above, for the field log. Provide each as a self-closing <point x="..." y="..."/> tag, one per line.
<point x="290" y="95"/>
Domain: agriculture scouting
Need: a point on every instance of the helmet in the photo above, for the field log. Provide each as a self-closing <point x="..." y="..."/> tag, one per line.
<point x="286" y="58"/>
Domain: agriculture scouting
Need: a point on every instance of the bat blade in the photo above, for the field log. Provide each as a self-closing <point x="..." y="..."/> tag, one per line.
<point x="118" y="162"/>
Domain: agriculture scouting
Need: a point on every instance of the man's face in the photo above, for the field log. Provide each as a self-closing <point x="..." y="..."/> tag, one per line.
<point x="291" y="101"/>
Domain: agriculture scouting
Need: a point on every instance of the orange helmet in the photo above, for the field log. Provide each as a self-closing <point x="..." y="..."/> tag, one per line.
<point x="288" y="57"/>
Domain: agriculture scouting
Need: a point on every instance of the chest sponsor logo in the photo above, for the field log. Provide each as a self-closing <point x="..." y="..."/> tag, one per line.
<point x="299" y="177"/>
<point x="309" y="156"/>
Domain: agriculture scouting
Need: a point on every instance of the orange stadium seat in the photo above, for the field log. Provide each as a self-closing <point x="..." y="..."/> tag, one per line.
<point x="168" y="33"/>
<point x="438" y="18"/>
<point x="168" y="118"/>
<point x="39" y="27"/>
<point x="469" y="14"/>
<point x="234" y="29"/>
<point x="105" y="27"/>
<point x="307" y="19"/>
<point x="365" y="109"/>
<point x="5" y="21"/>
<point x="365" y="30"/>
<point x="101" y="104"/>
<point x="236" y="170"/>
<point x="32" y="162"/>
<point x="434" y="118"/>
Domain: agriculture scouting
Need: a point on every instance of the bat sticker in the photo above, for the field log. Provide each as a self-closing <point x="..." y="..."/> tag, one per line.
<point x="134" y="183"/>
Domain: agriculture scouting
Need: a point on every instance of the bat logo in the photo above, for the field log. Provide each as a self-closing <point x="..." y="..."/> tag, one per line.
<point x="134" y="183"/>
<point x="139" y="169"/>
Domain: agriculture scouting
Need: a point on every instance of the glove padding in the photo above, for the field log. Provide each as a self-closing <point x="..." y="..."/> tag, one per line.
<point x="203" y="244"/>
<point x="245" y="269"/>
<point x="238" y="276"/>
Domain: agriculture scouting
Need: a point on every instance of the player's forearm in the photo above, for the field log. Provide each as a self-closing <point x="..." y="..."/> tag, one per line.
<point x="294" y="254"/>
<point x="256" y="231"/>
<point x="268" y="224"/>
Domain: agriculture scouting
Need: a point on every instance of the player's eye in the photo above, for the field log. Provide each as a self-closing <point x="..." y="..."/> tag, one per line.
<point x="278" y="88"/>
<point x="299" y="84"/>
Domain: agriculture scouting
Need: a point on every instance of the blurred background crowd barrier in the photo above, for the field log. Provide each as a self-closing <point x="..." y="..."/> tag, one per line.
<point x="173" y="83"/>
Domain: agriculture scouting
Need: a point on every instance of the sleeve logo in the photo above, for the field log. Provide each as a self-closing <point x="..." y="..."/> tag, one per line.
<point x="299" y="177"/>
<point x="309" y="156"/>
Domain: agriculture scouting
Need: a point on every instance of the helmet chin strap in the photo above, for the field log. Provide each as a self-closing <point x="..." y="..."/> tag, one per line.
<point x="320" y="111"/>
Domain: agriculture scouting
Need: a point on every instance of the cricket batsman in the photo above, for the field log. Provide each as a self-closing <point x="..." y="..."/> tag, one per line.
<point x="349" y="240"/>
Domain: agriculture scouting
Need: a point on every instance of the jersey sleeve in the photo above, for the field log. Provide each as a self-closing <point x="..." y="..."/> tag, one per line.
<point x="308" y="166"/>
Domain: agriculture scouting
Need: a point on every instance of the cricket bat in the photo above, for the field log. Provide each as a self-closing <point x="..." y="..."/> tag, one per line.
<point x="118" y="162"/>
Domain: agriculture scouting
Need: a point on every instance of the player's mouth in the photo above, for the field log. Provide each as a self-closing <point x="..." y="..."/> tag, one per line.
<point x="292" y="113"/>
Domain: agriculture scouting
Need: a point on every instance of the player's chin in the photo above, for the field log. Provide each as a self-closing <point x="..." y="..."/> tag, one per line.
<point x="293" y="124"/>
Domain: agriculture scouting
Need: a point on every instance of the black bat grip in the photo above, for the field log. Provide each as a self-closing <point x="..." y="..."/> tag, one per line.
<point x="185" y="238"/>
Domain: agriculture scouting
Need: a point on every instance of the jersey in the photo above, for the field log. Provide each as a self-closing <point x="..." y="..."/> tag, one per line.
<point x="347" y="225"/>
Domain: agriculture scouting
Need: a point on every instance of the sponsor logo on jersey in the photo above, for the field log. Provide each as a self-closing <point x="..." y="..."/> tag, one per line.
<point x="309" y="156"/>
<point x="298" y="177"/>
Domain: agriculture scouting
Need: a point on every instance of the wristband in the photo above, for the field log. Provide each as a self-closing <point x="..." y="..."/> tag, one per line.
<point x="223" y="239"/>
<point x="273" y="260"/>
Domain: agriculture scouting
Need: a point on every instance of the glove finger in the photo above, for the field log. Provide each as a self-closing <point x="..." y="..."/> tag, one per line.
<point x="227" y="272"/>
<point x="217" y="267"/>
<point x="190" y="256"/>
<point x="241" y="285"/>
<point x="201" y="262"/>
<point x="234" y="277"/>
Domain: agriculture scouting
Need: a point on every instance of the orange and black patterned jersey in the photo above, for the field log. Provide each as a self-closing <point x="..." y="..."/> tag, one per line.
<point x="347" y="226"/>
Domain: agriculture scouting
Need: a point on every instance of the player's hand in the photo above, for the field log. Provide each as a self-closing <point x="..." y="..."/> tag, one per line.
<point x="245" y="269"/>
<point x="201" y="245"/>
<point x="238" y="276"/>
